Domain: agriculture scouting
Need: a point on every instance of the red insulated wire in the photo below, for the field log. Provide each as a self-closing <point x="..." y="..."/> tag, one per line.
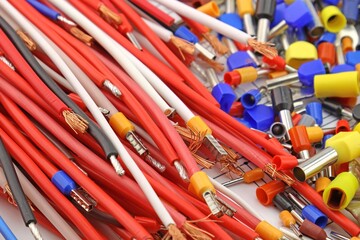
<point x="157" y="66"/>
<point x="48" y="188"/>
<point x="170" y="194"/>
<point x="154" y="64"/>
<point x="20" y="83"/>
<point x="48" y="168"/>
<point x="26" y="71"/>
<point x="164" y="50"/>
<point x="42" y="23"/>
<point x="243" y="145"/>
<point x="158" y="116"/>
<point x="122" y="233"/>
<point x="104" y="200"/>
<point x="170" y="78"/>
<point x="127" y="97"/>
<point x="241" y="214"/>
<point x="155" y="12"/>
<point x="95" y="4"/>
<point x="232" y="125"/>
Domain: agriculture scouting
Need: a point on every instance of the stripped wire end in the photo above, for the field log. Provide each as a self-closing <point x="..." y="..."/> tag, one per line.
<point x="204" y="51"/>
<point x="133" y="40"/>
<point x="75" y="121"/>
<point x="212" y="204"/>
<point x="218" y="67"/>
<point x="66" y="21"/>
<point x="83" y="199"/>
<point x="35" y="231"/>
<point x="183" y="45"/>
<point x="215" y="43"/>
<point x="104" y="111"/>
<point x="112" y="88"/>
<point x="266" y="49"/>
<point x="109" y="16"/>
<point x="30" y="44"/>
<point x="117" y="166"/>
<point x="174" y="233"/>
<point x="82" y="36"/>
<point x="271" y="170"/>
<point x="170" y="112"/>
<point x="7" y="62"/>
<point x="196" y="233"/>
<point x="203" y="162"/>
<point x="155" y="163"/>
<point x="181" y="170"/>
<point x="136" y="143"/>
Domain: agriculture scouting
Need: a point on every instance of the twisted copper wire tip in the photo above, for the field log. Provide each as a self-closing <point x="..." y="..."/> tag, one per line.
<point x="267" y="49"/>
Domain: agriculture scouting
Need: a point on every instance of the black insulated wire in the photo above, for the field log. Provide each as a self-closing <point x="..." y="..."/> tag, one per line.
<point x="93" y="129"/>
<point x="15" y="187"/>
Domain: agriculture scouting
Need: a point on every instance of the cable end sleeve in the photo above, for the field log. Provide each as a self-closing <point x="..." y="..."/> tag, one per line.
<point x="43" y="9"/>
<point x="63" y="182"/>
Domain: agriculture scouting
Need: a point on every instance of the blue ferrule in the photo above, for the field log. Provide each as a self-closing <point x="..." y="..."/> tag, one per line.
<point x="309" y="70"/>
<point x="297" y="15"/>
<point x="350" y="9"/>
<point x="343" y="68"/>
<point x="240" y="59"/>
<point x="352" y="58"/>
<point x="314" y="109"/>
<point x="332" y="2"/>
<point x="251" y="98"/>
<point x="63" y="182"/>
<point x="45" y="10"/>
<point x="184" y="33"/>
<point x="224" y="95"/>
<point x="260" y="117"/>
<point x="314" y="215"/>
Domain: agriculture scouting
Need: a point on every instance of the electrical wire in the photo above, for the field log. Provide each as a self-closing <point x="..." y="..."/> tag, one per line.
<point x="181" y="69"/>
<point x="48" y="188"/>
<point x="6" y="231"/>
<point x="147" y="122"/>
<point x="93" y="129"/>
<point x="163" y="123"/>
<point x="103" y="199"/>
<point x="17" y="192"/>
<point x="43" y="205"/>
<point x="212" y="23"/>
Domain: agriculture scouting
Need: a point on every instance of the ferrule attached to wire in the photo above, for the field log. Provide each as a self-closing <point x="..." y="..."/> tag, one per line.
<point x="17" y="192"/>
<point x="200" y="128"/>
<point x="50" y="13"/>
<point x="69" y="188"/>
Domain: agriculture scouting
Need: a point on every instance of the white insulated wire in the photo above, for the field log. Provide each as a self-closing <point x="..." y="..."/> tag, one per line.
<point x="213" y="23"/>
<point x="93" y="108"/>
<point x="122" y="56"/>
<point x="159" y="30"/>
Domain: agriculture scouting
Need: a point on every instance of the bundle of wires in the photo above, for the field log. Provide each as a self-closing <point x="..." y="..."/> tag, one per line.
<point x="65" y="105"/>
